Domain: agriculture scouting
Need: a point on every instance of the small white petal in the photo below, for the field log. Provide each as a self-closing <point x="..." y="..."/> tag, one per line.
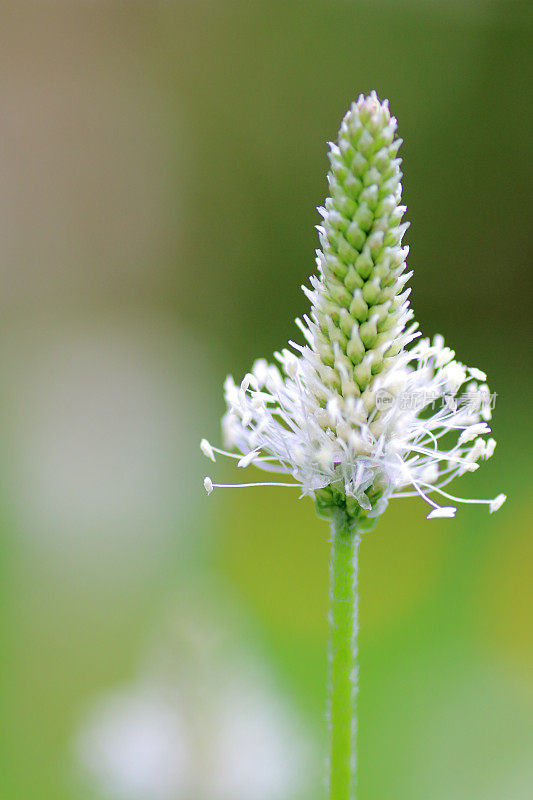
<point x="364" y="502"/>
<point x="207" y="450"/>
<point x="324" y="456"/>
<point x="443" y="511"/>
<point x="208" y="485"/>
<point x="497" y="502"/>
<point x="298" y="455"/>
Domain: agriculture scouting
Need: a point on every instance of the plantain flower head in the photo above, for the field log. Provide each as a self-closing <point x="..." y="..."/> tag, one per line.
<point x="364" y="410"/>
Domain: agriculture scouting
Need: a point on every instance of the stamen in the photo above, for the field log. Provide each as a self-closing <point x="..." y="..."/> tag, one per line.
<point x="207" y="450"/>
<point x="494" y="504"/>
<point x="210" y="453"/>
<point x="442" y="456"/>
<point x="438" y="511"/>
<point x="470" y="433"/>
<point x="208" y="483"/>
<point x="248" y="458"/>
<point x="497" y="502"/>
<point x="446" y="512"/>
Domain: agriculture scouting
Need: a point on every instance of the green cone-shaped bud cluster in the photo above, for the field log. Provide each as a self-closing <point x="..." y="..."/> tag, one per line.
<point x="359" y="304"/>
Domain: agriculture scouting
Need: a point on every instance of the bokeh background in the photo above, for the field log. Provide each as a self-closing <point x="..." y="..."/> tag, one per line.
<point x="160" y="165"/>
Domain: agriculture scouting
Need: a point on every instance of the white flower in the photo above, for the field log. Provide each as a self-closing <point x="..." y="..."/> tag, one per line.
<point x="355" y="416"/>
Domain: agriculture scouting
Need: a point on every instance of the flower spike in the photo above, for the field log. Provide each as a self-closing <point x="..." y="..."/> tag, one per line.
<point x="360" y="414"/>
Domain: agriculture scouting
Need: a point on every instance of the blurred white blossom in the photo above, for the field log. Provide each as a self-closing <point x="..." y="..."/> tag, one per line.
<point x="134" y="746"/>
<point x="198" y="723"/>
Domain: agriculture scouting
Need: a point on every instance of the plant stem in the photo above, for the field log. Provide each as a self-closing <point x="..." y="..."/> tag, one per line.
<point x="342" y="657"/>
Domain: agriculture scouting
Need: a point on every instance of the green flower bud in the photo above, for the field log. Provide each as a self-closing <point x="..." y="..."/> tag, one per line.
<point x="361" y="237"/>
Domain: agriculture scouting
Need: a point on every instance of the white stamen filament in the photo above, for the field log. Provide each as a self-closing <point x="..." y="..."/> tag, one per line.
<point x="246" y="485"/>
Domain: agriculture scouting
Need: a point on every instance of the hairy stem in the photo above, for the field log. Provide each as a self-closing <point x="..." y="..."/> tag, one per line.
<point x="342" y="660"/>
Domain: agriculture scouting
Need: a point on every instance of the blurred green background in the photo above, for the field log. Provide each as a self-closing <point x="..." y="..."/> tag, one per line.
<point x="160" y="166"/>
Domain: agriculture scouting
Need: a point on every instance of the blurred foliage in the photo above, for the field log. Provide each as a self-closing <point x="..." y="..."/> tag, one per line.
<point x="161" y="165"/>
